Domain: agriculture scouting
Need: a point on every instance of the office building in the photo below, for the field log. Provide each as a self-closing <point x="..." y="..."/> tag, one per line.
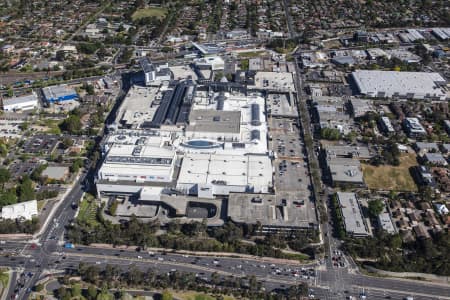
<point x="154" y="73"/>
<point x="354" y="224"/>
<point x="345" y="172"/>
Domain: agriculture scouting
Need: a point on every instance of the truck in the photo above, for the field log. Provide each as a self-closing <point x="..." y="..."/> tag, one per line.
<point x="69" y="246"/>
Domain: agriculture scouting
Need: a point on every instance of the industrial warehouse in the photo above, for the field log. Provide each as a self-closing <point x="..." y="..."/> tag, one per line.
<point x="176" y="145"/>
<point x="407" y="85"/>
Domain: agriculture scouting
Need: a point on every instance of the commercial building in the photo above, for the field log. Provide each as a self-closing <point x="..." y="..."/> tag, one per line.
<point x="28" y="102"/>
<point x="345" y="171"/>
<point x="354" y="224"/>
<point x="229" y="123"/>
<point x="207" y="175"/>
<point x="237" y="34"/>
<point x="208" y="48"/>
<point x="154" y="74"/>
<point x="128" y="168"/>
<point x="174" y="107"/>
<point x="404" y="55"/>
<point x="20" y="211"/>
<point x="212" y="63"/>
<point x="198" y="142"/>
<point x="347" y="151"/>
<point x="413" y="127"/>
<point x="360" y="107"/>
<point x="214" y="124"/>
<point x="331" y="112"/>
<point x="59" y="93"/>
<point x="407" y="85"/>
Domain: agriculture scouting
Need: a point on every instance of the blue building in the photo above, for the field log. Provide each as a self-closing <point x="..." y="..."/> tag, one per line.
<point x="59" y="93"/>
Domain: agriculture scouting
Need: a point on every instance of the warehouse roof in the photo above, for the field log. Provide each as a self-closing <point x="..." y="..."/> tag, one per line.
<point x="234" y="170"/>
<point x="139" y="151"/>
<point x="214" y="121"/>
<point x="403" y="83"/>
<point x="58" y="91"/>
<point x="20" y="100"/>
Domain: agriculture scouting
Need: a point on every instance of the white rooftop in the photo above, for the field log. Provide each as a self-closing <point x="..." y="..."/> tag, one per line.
<point x="351" y="214"/>
<point x="416" y="85"/>
<point x="235" y="170"/>
<point x="24" y="210"/>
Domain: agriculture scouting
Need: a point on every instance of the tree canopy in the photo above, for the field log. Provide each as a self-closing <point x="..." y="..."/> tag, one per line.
<point x="376" y="207"/>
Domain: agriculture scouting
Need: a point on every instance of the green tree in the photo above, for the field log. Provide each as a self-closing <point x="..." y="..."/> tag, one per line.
<point x="76" y="165"/>
<point x="24" y="126"/>
<point x="10" y="92"/>
<point x="113" y="208"/>
<point x="330" y="134"/>
<point x="89" y="89"/>
<point x="376" y="207"/>
<point x="92" y="292"/>
<point x="8" y="197"/>
<point x="72" y="124"/>
<point x="67" y="142"/>
<point x="25" y="190"/>
<point x="76" y="290"/>
<point x="4" y="176"/>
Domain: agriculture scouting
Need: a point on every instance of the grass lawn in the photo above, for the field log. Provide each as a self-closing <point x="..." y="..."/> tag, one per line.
<point x="297" y="256"/>
<point x="52" y="126"/>
<point x="251" y="54"/>
<point x="88" y="210"/>
<point x="4" y="277"/>
<point x="157" y="12"/>
<point x="391" y="178"/>
<point x="191" y="295"/>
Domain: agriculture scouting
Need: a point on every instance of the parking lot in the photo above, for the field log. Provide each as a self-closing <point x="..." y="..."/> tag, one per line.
<point x="41" y="144"/>
<point x="281" y="104"/>
<point x="291" y="176"/>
